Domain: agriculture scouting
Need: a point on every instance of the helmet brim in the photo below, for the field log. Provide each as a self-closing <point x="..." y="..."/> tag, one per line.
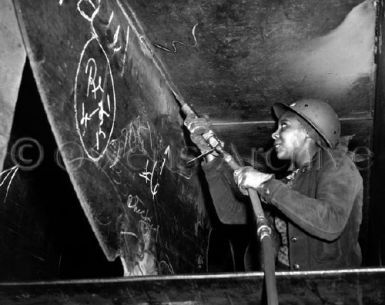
<point x="280" y="108"/>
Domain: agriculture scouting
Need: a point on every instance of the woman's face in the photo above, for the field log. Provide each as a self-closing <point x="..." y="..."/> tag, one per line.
<point x="289" y="138"/>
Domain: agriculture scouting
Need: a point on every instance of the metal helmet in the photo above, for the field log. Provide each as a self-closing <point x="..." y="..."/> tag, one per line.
<point x="318" y="114"/>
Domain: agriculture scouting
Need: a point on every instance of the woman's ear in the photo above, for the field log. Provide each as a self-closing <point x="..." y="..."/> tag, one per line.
<point x="307" y="135"/>
<point x="310" y="140"/>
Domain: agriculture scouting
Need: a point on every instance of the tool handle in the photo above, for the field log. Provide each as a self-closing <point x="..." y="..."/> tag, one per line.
<point x="264" y="235"/>
<point x="263" y="230"/>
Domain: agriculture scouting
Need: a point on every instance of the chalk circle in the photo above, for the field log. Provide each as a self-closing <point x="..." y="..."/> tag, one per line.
<point x="95" y="129"/>
<point x="19" y="153"/>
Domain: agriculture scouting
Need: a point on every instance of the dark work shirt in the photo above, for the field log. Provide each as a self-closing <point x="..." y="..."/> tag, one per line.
<point x="323" y="207"/>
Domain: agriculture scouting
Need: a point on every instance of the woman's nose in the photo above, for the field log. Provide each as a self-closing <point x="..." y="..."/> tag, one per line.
<point x="274" y="135"/>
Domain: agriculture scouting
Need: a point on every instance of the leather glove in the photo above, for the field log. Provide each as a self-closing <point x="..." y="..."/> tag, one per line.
<point x="248" y="177"/>
<point x="197" y="127"/>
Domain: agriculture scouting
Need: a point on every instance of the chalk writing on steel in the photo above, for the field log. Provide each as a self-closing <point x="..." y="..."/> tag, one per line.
<point x="130" y="144"/>
<point x="143" y="236"/>
<point x="94" y="99"/>
<point x="111" y="33"/>
<point x="149" y="176"/>
<point x="114" y="32"/>
<point x="135" y="204"/>
<point x="152" y="174"/>
<point x="10" y="172"/>
<point x="125" y="50"/>
<point x="175" y="42"/>
<point x="86" y="6"/>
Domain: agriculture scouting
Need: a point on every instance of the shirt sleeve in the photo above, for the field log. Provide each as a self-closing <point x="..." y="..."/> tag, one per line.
<point x="229" y="207"/>
<point x="326" y="215"/>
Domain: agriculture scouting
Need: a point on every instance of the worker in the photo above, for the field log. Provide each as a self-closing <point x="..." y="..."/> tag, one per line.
<point x="316" y="208"/>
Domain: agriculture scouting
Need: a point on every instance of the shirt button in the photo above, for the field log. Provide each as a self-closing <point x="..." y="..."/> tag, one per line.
<point x="296" y="267"/>
<point x="294" y="239"/>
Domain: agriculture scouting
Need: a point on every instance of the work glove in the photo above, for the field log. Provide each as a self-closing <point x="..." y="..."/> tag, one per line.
<point x="248" y="177"/>
<point x="197" y="127"/>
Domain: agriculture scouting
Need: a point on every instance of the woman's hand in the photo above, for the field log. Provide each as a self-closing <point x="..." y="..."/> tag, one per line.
<point x="248" y="177"/>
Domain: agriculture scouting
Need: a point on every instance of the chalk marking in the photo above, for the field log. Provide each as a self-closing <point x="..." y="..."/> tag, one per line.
<point x="149" y="177"/>
<point x="102" y="113"/>
<point x="116" y="149"/>
<point x="84" y="15"/>
<point x="137" y="139"/>
<point x="92" y="77"/>
<point x="108" y="102"/>
<point x="175" y="42"/>
<point x="148" y="126"/>
<point x="85" y="117"/>
<point x="130" y="142"/>
<point x="10" y="172"/>
<point x="115" y="41"/>
<point x="129" y="233"/>
<point x="133" y="203"/>
<point x="144" y="259"/>
<point x="110" y="19"/>
<point x="125" y="50"/>
<point x="7" y="170"/>
<point x="166" y="155"/>
<point x="94" y="86"/>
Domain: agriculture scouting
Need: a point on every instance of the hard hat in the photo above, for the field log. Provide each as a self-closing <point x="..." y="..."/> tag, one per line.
<point x="318" y="114"/>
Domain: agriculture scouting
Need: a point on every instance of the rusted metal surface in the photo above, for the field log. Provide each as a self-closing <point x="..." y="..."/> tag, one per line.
<point x="361" y="287"/>
<point x="233" y="60"/>
<point x="118" y="129"/>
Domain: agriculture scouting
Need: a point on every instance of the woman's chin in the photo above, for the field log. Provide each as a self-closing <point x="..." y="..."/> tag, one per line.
<point x="281" y="155"/>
